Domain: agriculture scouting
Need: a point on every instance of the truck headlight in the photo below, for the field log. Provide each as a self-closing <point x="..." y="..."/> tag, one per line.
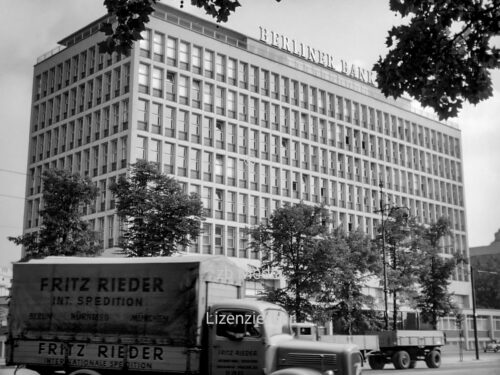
<point x="328" y="372"/>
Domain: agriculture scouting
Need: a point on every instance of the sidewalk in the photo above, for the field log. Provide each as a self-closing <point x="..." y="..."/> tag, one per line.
<point x="451" y="355"/>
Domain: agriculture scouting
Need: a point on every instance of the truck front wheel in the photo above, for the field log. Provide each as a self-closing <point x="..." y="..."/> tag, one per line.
<point x="433" y="359"/>
<point x="401" y="360"/>
<point x="84" y="372"/>
<point x="376" y="362"/>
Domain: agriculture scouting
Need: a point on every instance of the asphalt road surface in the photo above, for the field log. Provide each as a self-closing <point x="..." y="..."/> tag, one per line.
<point x="488" y="364"/>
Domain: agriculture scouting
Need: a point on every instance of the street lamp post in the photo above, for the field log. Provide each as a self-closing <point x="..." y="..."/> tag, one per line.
<point x="474" y="319"/>
<point x="383" y="208"/>
<point x="384" y="261"/>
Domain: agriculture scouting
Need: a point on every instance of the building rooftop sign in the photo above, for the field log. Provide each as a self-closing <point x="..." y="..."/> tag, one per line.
<point x="316" y="56"/>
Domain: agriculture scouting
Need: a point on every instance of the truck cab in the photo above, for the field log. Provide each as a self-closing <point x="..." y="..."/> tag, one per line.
<point x="248" y="337"/>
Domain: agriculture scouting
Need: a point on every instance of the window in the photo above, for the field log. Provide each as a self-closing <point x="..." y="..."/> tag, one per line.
<point x="231" y="171"/>
<point x="196" y="93"/>
<point x="242" y="215"/>
<point x="207" y="238"/>
<point x="170" y="86"/>
<point x="154" y="151"/>
<point x="220" y="100"/>
<point x="219" y="169"/>
<point x="208" y="64"/>
<point x="144" y="78"/>
<point x="243" y="74"/>
<point x="156" y="117"/>
<point x="194" y="163"/>
<point x="231" y="71"/>
<point x="140" y="148"/>
<point x="182" y="125"/>
<point x="168" y="157"/>
<point x="207" y="166"/>
<point x="142" y="118"/>
<point x="231" y="104"/>
<point x="195" y="128"/>
<point x="219" y="134"/>
<point x="157" y="82"/>
<point x="243" y="107"/>
<point x="219" y="236"/>
<point x="171" y="51"/>
<point x="208" y="97"/>
<point x="196" y="59"/>
<point x="181" y="160"/>
<point x="169" y="121"/>
<point x="231" y="241"/>
<point x="231" y="137"/>
<point x="220" y="68"/>
<point x="264" y="82"/>
<point x="183" y="90"/>
<point x="207" y="131"/>
<point x="254" y="78"/>
<point x="184" y="55"/>
<point x="158" y="47"/>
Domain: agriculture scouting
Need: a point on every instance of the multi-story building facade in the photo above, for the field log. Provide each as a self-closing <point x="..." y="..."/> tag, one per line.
<point x="249" y="124"/>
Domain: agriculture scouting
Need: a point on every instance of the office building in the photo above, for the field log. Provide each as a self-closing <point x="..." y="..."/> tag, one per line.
<point x="249" y="123"/>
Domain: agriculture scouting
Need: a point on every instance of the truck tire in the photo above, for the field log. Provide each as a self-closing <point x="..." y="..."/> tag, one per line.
<point x="433" y="359"/>
<point x="84" y="372"/>
<point x="376" y="362"/>
<point x="401" y="360"/>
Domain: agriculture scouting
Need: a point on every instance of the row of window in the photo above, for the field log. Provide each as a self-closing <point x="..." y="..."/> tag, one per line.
<point x="198" y="163"/>
<point x="100" y="124"/>
<point x="187" y="57"/>
<point x="82" y="97"/>
<point x="254" y="142"/>
<point x="72" y="70"/>
<point x="102" y="158"/>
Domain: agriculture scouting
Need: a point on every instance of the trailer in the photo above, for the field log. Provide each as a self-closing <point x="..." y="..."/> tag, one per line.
<point x="401" y="348"/>
<point x="404" y="348"/>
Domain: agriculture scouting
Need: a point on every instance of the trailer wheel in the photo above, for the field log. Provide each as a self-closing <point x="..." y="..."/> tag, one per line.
<point x="376" y="362"/>
<point x="433" y="359"/>
<point x="401" y="360"/>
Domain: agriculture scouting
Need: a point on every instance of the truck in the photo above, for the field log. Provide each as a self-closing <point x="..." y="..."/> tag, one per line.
<point x="155" y="316"/>
<point x="402" y="348"/>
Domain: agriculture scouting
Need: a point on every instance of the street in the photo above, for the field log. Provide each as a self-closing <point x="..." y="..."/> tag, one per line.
<point x="488" y="364"/>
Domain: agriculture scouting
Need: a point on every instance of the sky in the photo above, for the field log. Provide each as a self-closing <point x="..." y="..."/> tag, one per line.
<point x="353" y="30"/>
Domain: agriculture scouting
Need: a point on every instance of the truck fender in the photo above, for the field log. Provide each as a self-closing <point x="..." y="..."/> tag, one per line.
<point x="84" y="372"/>
<point x="296" y="371"/>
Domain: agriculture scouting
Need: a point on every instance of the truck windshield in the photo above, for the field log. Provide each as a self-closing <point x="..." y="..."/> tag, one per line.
<point x="277" y="322"/>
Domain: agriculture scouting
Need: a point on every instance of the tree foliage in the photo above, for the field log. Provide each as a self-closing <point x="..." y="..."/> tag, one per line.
<point x="158" y="216"/>
<point x="292" y="241"/>
<point x="434" y="300"/>
<point x="133" y="15"/>
<point x="62" y="230"/>
<point x="441" y="56"/>
<point x="351" y="260"/>
<point x="402" y="235"/>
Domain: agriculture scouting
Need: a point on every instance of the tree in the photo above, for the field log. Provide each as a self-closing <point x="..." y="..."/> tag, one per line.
<point x="352" y="259"/>
<point x="159" y="217"/>
<point x="62" y="230"/>
<point x="292" y="241"/>
<point x="441" y="56"/>
<point x="434" y="300"/>
<point x="402" y="244"/>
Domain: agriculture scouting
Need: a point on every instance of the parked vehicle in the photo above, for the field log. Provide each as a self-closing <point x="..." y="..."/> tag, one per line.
<point x="492" y="346"/>
<point x="176" y="315"/>
<point x="401" y="348"/>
